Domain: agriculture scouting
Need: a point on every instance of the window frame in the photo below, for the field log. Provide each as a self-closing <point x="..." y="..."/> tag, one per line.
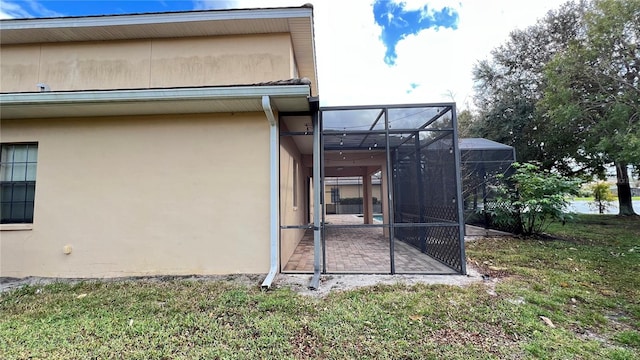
<point x="9" y="182"/>
<point x="335" y="195"/>
<point x="295" y="183"/>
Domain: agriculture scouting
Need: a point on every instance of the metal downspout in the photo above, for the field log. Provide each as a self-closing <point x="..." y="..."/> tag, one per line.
<point x="273" y="193"/>
<point x="317" y="207"/>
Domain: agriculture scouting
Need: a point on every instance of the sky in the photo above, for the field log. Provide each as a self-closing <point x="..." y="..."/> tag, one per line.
<point x="367" y="51"/>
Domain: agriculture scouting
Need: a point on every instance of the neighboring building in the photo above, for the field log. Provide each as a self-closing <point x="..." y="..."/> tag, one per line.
<point x="344" y="195"/>
<point x="192" y="142"/>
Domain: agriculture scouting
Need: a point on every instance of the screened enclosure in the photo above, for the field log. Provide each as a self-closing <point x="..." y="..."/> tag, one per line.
<point x="389" y="192"/>
<point x="482" y="162"/>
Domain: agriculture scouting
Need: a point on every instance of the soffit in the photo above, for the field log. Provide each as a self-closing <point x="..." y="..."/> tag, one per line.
<point x="300" y="124"/>
<point x="296" y="21"/>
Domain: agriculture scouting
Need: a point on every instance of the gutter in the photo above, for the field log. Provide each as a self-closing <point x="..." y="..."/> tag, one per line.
<point x="157" y="18"/>
<point x="273" y="193"/>
<point x="136" y="95"/>
<point x="66" y="104"/>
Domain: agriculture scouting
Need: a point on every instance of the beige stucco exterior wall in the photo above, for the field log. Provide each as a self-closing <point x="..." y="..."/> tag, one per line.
<point x="153" y="63"/>
<point x="19" y="68"/>
<point x="350" y="191"/>
<point x="144" y="195"/>
<point x="290" y="214"/>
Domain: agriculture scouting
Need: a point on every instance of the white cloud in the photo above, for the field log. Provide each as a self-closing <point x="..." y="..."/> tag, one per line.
<point x="214" y="4"/>
<point x="40" y="10"/>
<point x="351" y="68"/>
<point x="9" y="10"/>
<point x="244" y="4"/>
<point x="25" y="9"/>
<point x="350" y="55"/>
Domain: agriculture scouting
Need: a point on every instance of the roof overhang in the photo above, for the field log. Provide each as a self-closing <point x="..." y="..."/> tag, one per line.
<point x="297" y="21"/>
<point x="152" y="101"/>
<point x="481" y="144"/>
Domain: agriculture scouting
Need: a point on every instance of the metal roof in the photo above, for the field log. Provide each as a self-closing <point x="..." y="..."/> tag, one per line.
<point x="481" y="144"/>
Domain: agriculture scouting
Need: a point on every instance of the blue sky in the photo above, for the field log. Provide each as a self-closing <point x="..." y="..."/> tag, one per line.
<point x="116" y="7"/>
<point x="52" y="8"/>
<point x="368" y="51"/>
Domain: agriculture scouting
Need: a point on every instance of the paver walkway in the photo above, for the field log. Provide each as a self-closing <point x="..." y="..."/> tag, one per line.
<point x="361" y="250"/>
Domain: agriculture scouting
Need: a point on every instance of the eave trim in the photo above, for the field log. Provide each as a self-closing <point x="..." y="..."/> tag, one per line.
<point x="154" y="18"/>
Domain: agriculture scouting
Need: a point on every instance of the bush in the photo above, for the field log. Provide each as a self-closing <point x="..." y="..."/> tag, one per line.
<point x="531" y="198"/>
<point x="355" y="201"/>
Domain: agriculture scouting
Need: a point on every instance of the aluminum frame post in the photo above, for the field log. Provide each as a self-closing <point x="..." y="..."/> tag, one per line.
<point x="317" y="206"/>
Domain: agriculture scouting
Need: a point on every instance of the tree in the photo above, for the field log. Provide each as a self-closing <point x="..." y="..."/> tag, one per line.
<point x="465" y="120"/>
<point x="593" y="91"/>
<point x="509" y="86"/>
<point x="602" y="196"/>
<point x="564" y="92"/>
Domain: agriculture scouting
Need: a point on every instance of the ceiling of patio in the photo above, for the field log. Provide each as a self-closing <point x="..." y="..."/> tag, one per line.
<point x="354" y="138"/>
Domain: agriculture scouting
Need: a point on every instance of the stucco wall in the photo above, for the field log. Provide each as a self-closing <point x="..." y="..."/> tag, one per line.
<point x="290" y="214"/>
<point x="350" y="191"/>
<point x="145" y="195"/>
<point x="157" y="63"/>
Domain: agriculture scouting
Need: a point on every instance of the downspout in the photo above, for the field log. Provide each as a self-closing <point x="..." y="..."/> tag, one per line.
<point x="273" y="193"/>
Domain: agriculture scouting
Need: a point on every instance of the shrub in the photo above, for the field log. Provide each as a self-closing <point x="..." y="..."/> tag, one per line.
<point x="531" y="198"/>
<point x="355" y="201"/>
<point x="602" y="196"/>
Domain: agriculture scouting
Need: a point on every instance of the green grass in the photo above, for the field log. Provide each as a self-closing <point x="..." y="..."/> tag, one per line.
<point x="587" y="284"/>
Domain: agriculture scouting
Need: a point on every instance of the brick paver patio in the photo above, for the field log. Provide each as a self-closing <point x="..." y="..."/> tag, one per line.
<point x="361" y="250"/>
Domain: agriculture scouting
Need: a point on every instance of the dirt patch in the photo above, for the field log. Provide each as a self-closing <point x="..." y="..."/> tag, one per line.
<point x="297" y="283"/>
<point x="333" y="282"/>
<point x="487" y="269"/>
<point x="7" y="284"/>
<point x="305" y="344"/>
<point x="491" y="340"/>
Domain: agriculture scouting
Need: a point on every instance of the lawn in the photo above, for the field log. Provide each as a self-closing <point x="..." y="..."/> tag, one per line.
<point x="575" y="298"/>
